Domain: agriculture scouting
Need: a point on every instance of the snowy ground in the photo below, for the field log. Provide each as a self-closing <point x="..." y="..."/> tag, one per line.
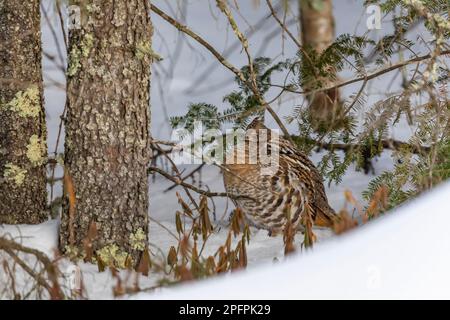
<point x="262" y="248"/>
<point x="403" y="255"/>
<point x="216" y="83"/>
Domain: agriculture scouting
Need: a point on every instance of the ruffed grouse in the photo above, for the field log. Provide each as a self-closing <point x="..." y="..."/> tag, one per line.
<point x="267" y="200"/>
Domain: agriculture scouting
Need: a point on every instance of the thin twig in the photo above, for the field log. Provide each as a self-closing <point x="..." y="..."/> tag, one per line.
<point x="199" y="168"/>
<point x="54" y="289"/>
<point x="368" y="77"/>
<point x="225" y="63"/>
<point x="180" y="182"/>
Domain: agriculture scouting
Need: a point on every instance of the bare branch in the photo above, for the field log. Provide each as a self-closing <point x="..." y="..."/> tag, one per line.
<point x="180" y="182"/>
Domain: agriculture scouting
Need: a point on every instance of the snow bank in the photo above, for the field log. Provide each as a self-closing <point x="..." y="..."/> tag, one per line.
<point x="43" y="237"/>
<point x="405" y="254"/>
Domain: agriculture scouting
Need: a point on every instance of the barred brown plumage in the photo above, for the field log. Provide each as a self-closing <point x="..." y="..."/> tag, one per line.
<point x="294" y="190"/>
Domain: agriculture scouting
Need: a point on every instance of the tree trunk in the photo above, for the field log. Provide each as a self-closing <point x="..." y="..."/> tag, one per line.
<point x="23" y="148"/>
<point x="107" y="149"/>
<point x="317" y="33"/>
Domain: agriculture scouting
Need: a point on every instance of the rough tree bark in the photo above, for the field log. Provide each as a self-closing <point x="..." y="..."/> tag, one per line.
<point x="23" y="149"/>
<point x="107" y="148"/>
<point x="317" y="32"/>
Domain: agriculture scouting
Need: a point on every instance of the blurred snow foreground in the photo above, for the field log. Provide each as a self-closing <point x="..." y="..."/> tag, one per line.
<point x="404" y="254"/>
<point x="401" y="255"/>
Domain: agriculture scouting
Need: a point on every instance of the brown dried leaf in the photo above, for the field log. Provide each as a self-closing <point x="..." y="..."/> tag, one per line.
<point x="88" y="241"/>
<point x="344" y="223"/>
<point x="205" y="221"/>
<point x="178" y="222"/>
<point x="185" y="206"/>
<point x="145" y="264"/>
<point x="172" y="257"/>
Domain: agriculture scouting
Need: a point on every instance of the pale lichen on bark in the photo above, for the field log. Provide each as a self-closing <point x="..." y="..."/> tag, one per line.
<point x="26" y="103"/>
<point x="112" y="255"/>
<point x="15" y="173"/>
<point x="74" y="61"/>
<point x="37" y="150"/>
<point x="138" y="240"/>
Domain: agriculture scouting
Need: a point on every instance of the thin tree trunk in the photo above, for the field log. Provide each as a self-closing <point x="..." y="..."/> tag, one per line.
<point x="23" y="148"/>
<point x="107" y="131"/>
<point x="317" y="32"/>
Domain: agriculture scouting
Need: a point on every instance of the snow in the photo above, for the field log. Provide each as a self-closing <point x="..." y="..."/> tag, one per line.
<point x="43" y="237"/>
<point x="163" y="206"/>
<point x="403" y="255"/>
